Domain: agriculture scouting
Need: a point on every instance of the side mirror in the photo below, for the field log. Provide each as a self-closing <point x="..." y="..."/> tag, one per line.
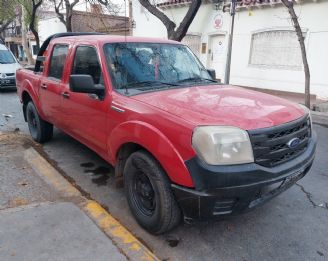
<point x="212" y="73"/>
<point x="83" y="83"/>
<point x="40" y="58"/>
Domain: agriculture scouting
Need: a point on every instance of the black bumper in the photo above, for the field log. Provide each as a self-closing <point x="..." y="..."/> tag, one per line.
<point x="228" y="190"/>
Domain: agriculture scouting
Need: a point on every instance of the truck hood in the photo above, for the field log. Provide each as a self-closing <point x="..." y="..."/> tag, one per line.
<point x="9" y="68"/>
<point x="224" y="105"/>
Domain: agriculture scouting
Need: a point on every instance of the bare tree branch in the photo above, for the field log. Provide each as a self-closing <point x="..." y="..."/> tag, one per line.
<point x="181" y="31"/>
<point x="67" y="18"/>
<point x="170" y="25"/>
<point x="112" y="8"/>
<point x="60" y="16"/>
<point x="290" y="6"/>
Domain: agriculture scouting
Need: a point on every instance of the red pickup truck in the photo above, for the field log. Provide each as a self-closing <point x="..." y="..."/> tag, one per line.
<point x="182" y="144"/>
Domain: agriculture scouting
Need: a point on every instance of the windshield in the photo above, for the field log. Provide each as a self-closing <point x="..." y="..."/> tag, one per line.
<point x="137" y="67"/>
<point x="6" y="57"/>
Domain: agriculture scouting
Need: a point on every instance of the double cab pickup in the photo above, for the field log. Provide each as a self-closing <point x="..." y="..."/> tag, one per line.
<point x="183" y="144"/>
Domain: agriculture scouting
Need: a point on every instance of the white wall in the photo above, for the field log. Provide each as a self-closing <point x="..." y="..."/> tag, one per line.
<point x="313" y="19"/>
<point x="49" y="26"/>
<point x="147" y="25"/>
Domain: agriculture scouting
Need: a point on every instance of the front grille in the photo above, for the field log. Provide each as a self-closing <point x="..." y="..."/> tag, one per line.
<point x="270" y="145"/>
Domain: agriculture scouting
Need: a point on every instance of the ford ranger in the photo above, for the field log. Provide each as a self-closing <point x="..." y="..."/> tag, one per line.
<point x="183" y="145"/>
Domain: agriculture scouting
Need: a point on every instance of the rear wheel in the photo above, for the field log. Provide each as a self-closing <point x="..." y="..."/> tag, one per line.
<point x="149" y="194"/>
<point x="40" y="130"/>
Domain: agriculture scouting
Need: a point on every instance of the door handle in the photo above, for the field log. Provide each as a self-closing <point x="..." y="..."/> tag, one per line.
<point x="65" y="95"/>
<point x="44" y="86"/>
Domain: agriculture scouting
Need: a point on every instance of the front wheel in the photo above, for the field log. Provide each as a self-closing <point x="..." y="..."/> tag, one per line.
<point x="40" y="130"/>
<point x="149" y="194"/>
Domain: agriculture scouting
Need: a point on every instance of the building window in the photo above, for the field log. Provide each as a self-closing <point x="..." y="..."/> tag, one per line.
<point x="193" y="41"/>
<point x="276" y="49"/>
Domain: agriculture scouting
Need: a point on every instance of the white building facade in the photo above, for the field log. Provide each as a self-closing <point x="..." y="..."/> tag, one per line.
<point x="265" y="52"/>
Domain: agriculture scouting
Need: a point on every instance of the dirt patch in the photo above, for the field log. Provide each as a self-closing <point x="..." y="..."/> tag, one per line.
<point x="17" y="202"/>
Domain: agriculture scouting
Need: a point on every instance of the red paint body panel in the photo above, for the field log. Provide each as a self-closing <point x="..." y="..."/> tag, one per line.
<point x="162" y="122"/>
<point x="224" y="105"/>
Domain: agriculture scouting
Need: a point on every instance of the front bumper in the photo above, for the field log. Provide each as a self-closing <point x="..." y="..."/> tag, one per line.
<point x="228" y="190"/>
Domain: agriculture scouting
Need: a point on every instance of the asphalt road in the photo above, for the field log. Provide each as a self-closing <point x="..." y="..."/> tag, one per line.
<point x="293" y="226"/>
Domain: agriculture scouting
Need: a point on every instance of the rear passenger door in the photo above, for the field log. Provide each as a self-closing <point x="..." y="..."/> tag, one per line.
<point x="86" y="114"/>
<point x="51" y="85"/>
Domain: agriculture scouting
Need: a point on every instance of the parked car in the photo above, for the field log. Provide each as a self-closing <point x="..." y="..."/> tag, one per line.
<point x="8" y="67"/>
<point x="183" y="144"/>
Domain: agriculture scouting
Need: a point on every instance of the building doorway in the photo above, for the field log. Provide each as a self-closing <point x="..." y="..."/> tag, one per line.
<point x="217" y="55"/>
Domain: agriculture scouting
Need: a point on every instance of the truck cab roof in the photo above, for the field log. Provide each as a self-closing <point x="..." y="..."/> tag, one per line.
<point x="111" y="39"/>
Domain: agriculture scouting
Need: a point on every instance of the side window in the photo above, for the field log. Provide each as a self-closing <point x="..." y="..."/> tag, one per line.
<point x="86" y="62"/>
<point x="57" y="61"/>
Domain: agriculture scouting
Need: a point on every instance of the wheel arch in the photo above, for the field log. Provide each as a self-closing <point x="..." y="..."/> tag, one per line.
<point x="135" y="135"/>
<point x="29" y="93"/>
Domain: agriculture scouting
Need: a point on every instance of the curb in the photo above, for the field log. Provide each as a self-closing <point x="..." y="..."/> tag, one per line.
<point x="129" y="245"/>
<point x="49" y="174"/>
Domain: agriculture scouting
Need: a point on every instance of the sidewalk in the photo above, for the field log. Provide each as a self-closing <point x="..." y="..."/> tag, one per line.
<point x="43" y="217"/>
<point x="36" y="222"/>
<point x="52" y="231"/>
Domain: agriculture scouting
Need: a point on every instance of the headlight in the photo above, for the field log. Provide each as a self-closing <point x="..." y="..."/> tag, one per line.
<point x="222" y="145"/>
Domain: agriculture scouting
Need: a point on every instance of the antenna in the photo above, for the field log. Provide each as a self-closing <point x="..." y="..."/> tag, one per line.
<point x="125" y="22"/>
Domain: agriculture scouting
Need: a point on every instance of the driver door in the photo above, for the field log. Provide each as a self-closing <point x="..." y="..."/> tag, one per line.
<point x="86" y="114"/>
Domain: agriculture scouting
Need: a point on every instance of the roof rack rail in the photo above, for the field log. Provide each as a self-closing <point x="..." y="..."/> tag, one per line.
<point x="47" y="41"/>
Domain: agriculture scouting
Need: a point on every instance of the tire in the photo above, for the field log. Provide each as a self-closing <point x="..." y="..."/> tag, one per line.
<point x="149" y="194"/>
<point x="40" y="130"/>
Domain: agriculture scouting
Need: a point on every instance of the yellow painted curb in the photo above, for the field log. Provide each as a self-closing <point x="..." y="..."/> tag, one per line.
<point x="49" y="174"/>
<point x="129" y="244"/>
<point x="123" y="239"/>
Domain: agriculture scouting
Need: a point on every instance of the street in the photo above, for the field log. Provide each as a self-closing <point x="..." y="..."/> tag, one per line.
<point x="293" y="226"/>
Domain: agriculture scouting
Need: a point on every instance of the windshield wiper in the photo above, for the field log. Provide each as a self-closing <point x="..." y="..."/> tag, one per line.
<point x="196" y="79"/>
<point x="147" y="83"/>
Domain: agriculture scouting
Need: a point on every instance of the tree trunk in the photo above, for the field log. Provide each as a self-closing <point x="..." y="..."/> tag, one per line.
<point x="69" y="23"/>
<point x="36" y="35"/>
<point x="298" y="30"/>
<point x="35" y="7"/>
<point x="69" y="10"/>
<point x="27" y="51"/>
<point x="69" y="20"/>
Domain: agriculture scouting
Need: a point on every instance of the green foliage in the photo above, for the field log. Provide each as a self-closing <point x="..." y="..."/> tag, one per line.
<point x="28" y="8"/>
<point x="8" y="11"/>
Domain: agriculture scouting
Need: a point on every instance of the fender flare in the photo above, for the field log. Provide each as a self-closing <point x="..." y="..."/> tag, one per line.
<point x="156" y="143"/>
<point x="27" y="86"/>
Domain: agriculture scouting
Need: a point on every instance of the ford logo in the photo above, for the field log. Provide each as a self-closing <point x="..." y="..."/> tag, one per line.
<point x="293" y="143"/>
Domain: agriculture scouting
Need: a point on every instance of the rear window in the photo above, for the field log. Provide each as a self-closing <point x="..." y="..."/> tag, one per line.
<point x="57" y="61"/>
